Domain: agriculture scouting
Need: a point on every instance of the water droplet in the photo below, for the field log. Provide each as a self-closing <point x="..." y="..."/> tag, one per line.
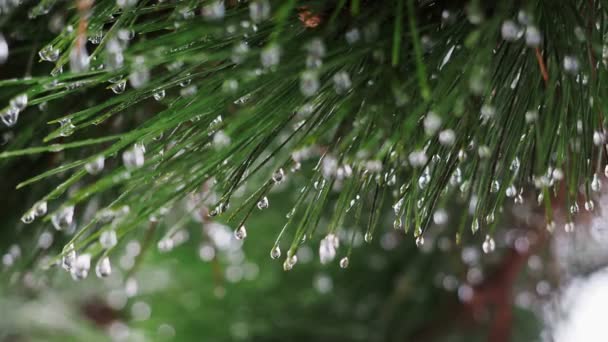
<point x="447" y="137"/>
<point x="95" y="166"/>
<point x="290" y="261"/>
<point x="420" y="241"/>
<point x="368" y="237"/>
<point x="63" y="218"/>
<point x="239" y="53"/>
<point x="108" y="239"/>
<point x="569" y="227"/>
<point x="589" y="205"/>
<point x="344" y="262"/>
<point x="495" y="186"/>
<point x="606" y="171"/>
<point x="19" y="102"/>
<point x="510" y="31"/>
<point x="103" y="267"/>
<point x="119" y="88"/>
<point x="475" y="226"/>
<point x="10" y="116"/>
<point x="275" y="253"/>
<point x="40" y="208"/>
<point x="140" y="74"/>
<point x="550" y="226"/>
<point x="214" y="10"/>
<point x="596" y="184"/>
<point x="159" y="95"/>
<point x="533" y="36"/>
<point x="309" y="83"/>
<point x="69" y="257"/>
<point x="397" y="223"/>
<point x="488" y="245"/>
<point x="133" y="158"/>
<point x="263" y="203"/>
<point x="511" y="191"/>
<point x="342" y="82"/>
<point x="270" y="56"/>
<point x="3" y="49"/>
<point x="49" y="54"/>
<point x="278" y="176"/>
<point x="571" y="64"/>
<point x="327" y="248"/>
<point x="81" y="266"/>
<point x="490" y="218"/>
<point x="66" y="127"/>
<point x="28" y="217"/>
<point x="352" y="36"/>
<point x="240" y="233"/>
<point x="259" y="10"/>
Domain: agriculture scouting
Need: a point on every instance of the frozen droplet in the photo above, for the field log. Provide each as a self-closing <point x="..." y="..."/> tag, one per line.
<point x="49" y="53"/>
<point x="240" y="233"/>
<point x="10" y="116"/>
<point x="79" y="58"/>
<point x="533" y="36"/>
<point x="63" y="218"/>
<point x="28" y="217"/>
<point x="103" y="267"/>
<point x="589" y="205"/>
<point x="40" y="208"/>
<point x="119" y="88"/>
<point x="259" y="10"/>
<point x="69" y="257"/>
<point x="81" y="266"/>
<point x="488" y="245"/>
<point x="342" y="82"/>
<point x="368" y="237"/>
<point x="510" y="31"/>
<point x="133" y="158"/>
<point x="95" y="166"/>
<point x="420" y="241"/>
<point x="475" y="226"/>
<point x="263" y="203"/>
<point x="344" y="262"/>
<point x="19" y="102"/>
<point x="108" y="239"/>
<point x="159" y="95"/>
<point x="596" y="183"/>
<point x="278" y="176"/>
<point x="3" y="49"/>
<point x="239" y="53"/>
<point x="214" y="10"/>
<point x="309" y="83"/>
<point x="275" y="253"/>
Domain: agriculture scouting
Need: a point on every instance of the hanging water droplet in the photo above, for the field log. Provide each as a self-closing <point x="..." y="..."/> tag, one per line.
<point x="420" y="241"/>
<point x="239" y="53"/>
<point x="66" y="127"/>
<point x="533" y="36"/>
<point x="447" y="137"/>
<point x="3" y="49"/>
<point x="119" y="88"/>
<point x="63" y="218"/>
<point x="278" y="176"/>
<point x="259" y="10"/>
<point x="589" y="205"/>
<point x="240" y="233"/>
<point x="19" y="102"/>
<point x="159" y="95"/>
<point x="488" y="245"/>
<point x="352" y="36"/>
<point x="596" y="184"/>
<point x="550" y="226"/>
<point x="125" y="4"/>
<point x="557" y="174"/>
<point x="490" y="218"/>
<point x="606" y="171"/>
<point x="79" y="58"/>
<point x="40" y="208"/>
<point x="81" y="266"/>
<point x="344" y="262"/>
<point x="275" y="253"/>
<point x="574" y="208"/>
<point x="571" y="64"/>
<point x="215" y="10"/>
<point x="10" y="116"/>
<point x="397" y="223"/>
<point x="28" y="217"/>
<point x="342" y="82"/>
<point x="263" y="203"/>
<point x="475" y="226"/>
<point x="49" y="54"/>
<point x="103" y="267"/>
<point x="69" y="257"/>
<point x="495" y="186"/>
<point x="368" y="237"/>
<point x="95" y="166"/>
<point x="290" y="261"/>
<point x="327" y="248"/>
<point x="140" y="74"/>
<point x="133" y="158"/>
<point x="221" y="140"/>
<point x="511" y="191"/>
<point x="108" y="239"/>
<point x="569" y="227"/>
<point x="510" y="31"/>
<point x="309" y="83"/>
